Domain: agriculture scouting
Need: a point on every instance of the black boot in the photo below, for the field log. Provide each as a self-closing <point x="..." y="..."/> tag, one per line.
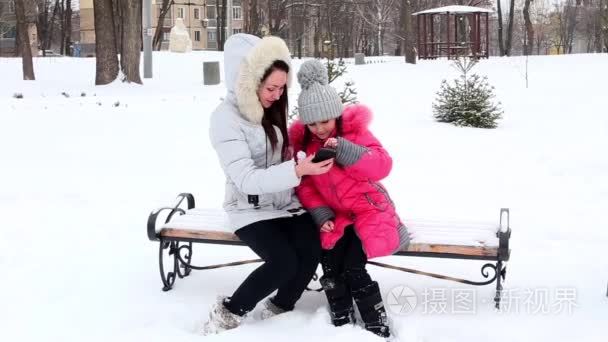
<point x="339" y="299"/>
<point x="370" y="305"/>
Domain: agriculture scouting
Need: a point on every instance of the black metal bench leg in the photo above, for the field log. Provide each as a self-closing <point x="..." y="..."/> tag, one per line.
<point x="188" y="258"/>
<point x="169" y="277"/>
<point x="500" y="276"/>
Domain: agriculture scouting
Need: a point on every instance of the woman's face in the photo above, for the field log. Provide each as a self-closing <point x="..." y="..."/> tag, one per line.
<point x="272" y="88"/>
<point x="322" y="129"/>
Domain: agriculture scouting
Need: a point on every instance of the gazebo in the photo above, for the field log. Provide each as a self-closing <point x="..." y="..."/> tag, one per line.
<point x="461" y="31"/>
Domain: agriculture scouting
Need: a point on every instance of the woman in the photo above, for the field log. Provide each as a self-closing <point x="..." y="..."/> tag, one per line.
<point x="249" y="133"/>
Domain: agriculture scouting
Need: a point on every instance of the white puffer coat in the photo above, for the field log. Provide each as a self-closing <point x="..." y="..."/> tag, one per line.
<point x="245" y="153"/>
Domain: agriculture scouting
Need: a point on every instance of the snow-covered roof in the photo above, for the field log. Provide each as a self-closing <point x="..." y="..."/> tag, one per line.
<point x="455" y="9"/>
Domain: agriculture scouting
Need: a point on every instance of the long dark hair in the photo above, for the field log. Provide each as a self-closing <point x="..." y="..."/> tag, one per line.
<point x="308" y="134"/>
<point x="276" y="115"/>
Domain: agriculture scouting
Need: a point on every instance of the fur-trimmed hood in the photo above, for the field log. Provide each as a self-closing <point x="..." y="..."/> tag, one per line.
<point x="355" y="118"/>
<point x="246" y="58"/>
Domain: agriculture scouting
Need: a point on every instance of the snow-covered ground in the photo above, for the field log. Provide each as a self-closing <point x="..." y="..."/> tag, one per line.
<point x="80" y="173"/>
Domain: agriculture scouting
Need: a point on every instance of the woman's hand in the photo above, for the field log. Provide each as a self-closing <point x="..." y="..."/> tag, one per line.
<point x="328" y="226"/>
<point x="307" y="167"/>
<point x="331" y="142"/>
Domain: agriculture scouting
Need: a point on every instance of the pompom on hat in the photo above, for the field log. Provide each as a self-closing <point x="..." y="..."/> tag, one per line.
<point x="318" y="101"/>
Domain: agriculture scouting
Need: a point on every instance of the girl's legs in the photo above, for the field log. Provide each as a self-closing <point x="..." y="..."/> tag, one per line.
<point x="336" y="289"/>
<point x="364" y="290"/>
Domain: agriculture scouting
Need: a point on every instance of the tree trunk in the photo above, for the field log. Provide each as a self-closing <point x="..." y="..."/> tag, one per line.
<point x="21" y="8"/>
<point x="528" y="48"/>
<point x="68" y="27"/>
<point x="224" y="13"/>
<point x="221" y="17"/>
<point x="164" y="9"/>
<point x="605" y="25"/>
<point x="131" y="40"/>
<point x="105" y="43"/>
<point x="501" y="45"/>
<point x="117" y="15"/>
<point x="252" y="23"/>
<point x="49" y="36"/>
<point x="43" y="23"/>
<point x="61" y="37"/>
<point x="510" y="28"/>
<point x="407" y="32"/>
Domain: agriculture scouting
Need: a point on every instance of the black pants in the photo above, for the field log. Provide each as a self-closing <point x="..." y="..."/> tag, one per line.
<point x="291" y="250"/>
<point x="346" y="261"/>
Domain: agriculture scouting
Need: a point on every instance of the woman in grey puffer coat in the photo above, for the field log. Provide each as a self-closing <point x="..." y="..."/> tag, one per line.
<point x="249" y="133"/>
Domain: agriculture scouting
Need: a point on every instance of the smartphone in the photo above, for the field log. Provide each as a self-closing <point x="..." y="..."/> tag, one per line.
<point x="324" y="154"/>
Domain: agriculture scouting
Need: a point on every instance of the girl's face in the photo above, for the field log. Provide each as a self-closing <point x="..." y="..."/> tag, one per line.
<point x="272" y="88"/>
<point x="322" y="129"/>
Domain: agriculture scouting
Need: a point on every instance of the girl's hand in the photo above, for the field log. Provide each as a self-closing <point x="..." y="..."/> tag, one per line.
<point x="327" y="227"/>
<point x="307" y="167"/>
<point x="331" y="142"/>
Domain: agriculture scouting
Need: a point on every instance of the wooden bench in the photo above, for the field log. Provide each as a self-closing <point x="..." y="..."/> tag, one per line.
<point x="179" y="226"/>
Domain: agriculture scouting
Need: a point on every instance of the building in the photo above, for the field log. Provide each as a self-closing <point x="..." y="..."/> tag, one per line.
<point x="8" y="30"/>
<point x="199" y="17"/>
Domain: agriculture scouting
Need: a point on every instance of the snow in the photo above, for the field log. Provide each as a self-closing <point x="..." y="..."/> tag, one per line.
<point x="421" y="232"/>
<point x="80" y="174"/>
<point x="455" y="9"/>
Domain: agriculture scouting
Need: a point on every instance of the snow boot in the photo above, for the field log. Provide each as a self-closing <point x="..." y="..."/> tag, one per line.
<point x="270" y="309"/>
<point x="220" y="318"/>
<point x="340" y="301"/>
<point x="370" y="305"/>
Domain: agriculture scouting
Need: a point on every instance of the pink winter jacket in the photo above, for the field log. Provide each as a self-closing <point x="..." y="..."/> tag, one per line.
<point x="351" y="193"/>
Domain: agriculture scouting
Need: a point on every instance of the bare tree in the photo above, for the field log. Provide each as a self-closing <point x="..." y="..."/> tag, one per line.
<point x="541" y="18"/>
<point x="604" y="24"/>
<point x="26" y="13"/>
<point x="131" y="40"/>
<point x="220" y="11"/>
<point x="46" y="24"/>
<point x="105" y="43"/>
<point x="252" y="18"/>
<point x="529" y="41"/>
<point x="566" y="15"/>
<point x="276" y="16"/>
<point x="407" y="34"/>
<point x="68" y="27"/>
<point x="509" y="41"/>
<point x="117" y="15"/>
<point x="377" y="14"/>
<point x="164" y="9"/>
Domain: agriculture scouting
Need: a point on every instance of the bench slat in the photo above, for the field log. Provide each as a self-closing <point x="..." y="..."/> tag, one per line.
<point x="198" y="234"/>
<point x="414" y="247"/>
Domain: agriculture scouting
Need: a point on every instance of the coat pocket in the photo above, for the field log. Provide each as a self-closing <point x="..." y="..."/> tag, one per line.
<point x="380" y="199"/>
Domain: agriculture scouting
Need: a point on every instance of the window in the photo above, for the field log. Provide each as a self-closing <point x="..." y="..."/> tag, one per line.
<point x="11" y="7"/>
<point x="237" y="13"/>
<point x="197" y="36"/>
<point x="9" y="31"/>
<point x="211" y="12"/>
<point x="197" y="13"/>
<point x="180" y="12"/>
<point x="166" y="36"/>
<point x="211" y="36"/>
<point x="237" y="30"/>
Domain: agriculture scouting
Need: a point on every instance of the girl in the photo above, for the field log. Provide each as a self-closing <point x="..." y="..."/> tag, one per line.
<point x="354" y="212"/>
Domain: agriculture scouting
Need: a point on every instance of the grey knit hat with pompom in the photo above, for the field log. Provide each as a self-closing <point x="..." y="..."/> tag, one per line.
<point x="318" y="101"/>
